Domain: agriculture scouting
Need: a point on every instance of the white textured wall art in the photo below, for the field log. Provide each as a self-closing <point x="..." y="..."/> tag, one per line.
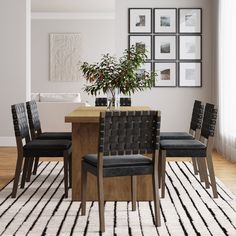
<point x="64" y="57"/>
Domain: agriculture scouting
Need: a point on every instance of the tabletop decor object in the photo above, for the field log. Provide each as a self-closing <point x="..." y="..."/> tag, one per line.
<point x="114" y="76"/>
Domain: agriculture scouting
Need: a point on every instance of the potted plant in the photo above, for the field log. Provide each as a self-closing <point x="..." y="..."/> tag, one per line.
<point x="114" y="76"/>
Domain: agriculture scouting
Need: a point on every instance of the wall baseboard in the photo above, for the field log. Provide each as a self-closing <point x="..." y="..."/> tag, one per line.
<point x="7" y="141"/>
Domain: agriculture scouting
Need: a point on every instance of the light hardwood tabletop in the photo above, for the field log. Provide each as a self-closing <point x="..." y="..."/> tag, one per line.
<point x="92" y="114"/>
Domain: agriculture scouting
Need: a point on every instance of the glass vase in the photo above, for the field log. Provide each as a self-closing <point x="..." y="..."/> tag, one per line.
<point x="113" y="99"/>
<point x="117" y="98"/>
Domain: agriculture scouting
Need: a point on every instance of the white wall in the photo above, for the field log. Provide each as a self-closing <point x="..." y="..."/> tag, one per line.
<point x="174" y="103"/>
<point x="73" y="5"/>
<point x="97" y="37"/>
<point x="14" y="61"/>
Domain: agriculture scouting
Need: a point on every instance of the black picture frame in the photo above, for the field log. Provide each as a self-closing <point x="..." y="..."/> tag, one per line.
<point x="188" y="82"/>
<point x="165" y="82"/>
<point x="159" y="56"/>
<point x="145" y="68"/>
<point x="189" y="55"/>
<point x="131" y="39"/>
<point x="163" y="30"/>
<point x="192" y="22"/>
<point x="133" y="13"/>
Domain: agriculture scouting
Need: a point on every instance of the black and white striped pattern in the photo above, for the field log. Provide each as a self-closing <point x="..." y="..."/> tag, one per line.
<point x="187" y="209"/>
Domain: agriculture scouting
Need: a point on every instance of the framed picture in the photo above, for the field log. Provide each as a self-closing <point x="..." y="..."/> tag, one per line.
<point x="140" y="20"/>
<point x="65" y="53"/>
<point x="165" y="47"/>
<point x="166" y="74"/>
<point x="142" y="42"/>
<point x="147" y="66"/>
<point x="165" y="20"/>
<point x="190" y="74"/>
<point x="190" y="20"/>
<point x="190" y="47"/>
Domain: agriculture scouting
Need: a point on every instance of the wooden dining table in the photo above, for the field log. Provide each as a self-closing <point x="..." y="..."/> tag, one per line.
<point x="85" y="131"/>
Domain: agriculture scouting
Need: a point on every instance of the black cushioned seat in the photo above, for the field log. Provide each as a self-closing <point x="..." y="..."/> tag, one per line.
<point x="121" y="165"/>
<point x="55" y="135"/>
<point x="175" y="135"/>
<point x="183" y="148"/>
<point x="115" y="161"/>
<point x="45" y="148"/>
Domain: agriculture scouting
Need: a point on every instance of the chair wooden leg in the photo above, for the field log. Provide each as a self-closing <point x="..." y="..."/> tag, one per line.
<point x="212" y="175"/>
<point x="83" y="188"/>
<point x="36" y="162"/>
<point x="29" y="172"/>
<point x="70" y="171"/>
<point x="66" y="174"/>
<point x="163" y="173"/>
<point x="17" y="175"/>
<point x="195" y="169"/>
<point x="159" y="168"/>
<point x="25" y="172"/>
<point x="201" y="169"/>
<point x="134" y="191"/>
<point x="101" y="202"/>
<point x="156" y="197"/>
<point x="202" y="162"/>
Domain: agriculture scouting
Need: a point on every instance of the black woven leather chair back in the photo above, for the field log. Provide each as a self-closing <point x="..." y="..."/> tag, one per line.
<point x="129" y="132"/>
<point x="125" y="102"/>
<point x="20" y="122"/>
<point x="33" y="116"/>
<point x="209" y="121"/>
<point x="196" y="121"/>
<point x="101" y="102"/>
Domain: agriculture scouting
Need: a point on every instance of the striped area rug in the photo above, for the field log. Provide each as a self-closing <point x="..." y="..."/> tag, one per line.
<point x="187" y="209"/>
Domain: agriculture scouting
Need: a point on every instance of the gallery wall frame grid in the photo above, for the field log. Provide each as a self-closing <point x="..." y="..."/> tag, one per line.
<point x="181" y="47"/>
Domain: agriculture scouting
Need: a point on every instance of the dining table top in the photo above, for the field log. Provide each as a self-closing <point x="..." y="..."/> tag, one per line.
<point x="91" y="114"/>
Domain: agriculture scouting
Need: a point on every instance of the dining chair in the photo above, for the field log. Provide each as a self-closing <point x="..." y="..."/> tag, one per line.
<point x="124" y="138"/>
<point x="27" y="149"/>
<point x="101" y="102"/>
<point x="194" y="129"/>
<point x="199" y="149"/>
<point x="36" y="132"/>
<point x="125" y="101"/>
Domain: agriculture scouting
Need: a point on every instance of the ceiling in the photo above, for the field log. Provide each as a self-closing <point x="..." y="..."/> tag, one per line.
<point x="72" y="5"/>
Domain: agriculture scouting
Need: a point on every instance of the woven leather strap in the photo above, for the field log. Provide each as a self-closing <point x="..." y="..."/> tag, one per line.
<point x="209" y="121"/>
<point x="129" y="132"/>
<point x="20" y="123"/>
<point x="33" y="115"/>
<point x="197" y="115"/>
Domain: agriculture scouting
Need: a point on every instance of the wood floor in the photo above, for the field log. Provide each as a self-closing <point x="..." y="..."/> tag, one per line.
<point x="225" y="170"/>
